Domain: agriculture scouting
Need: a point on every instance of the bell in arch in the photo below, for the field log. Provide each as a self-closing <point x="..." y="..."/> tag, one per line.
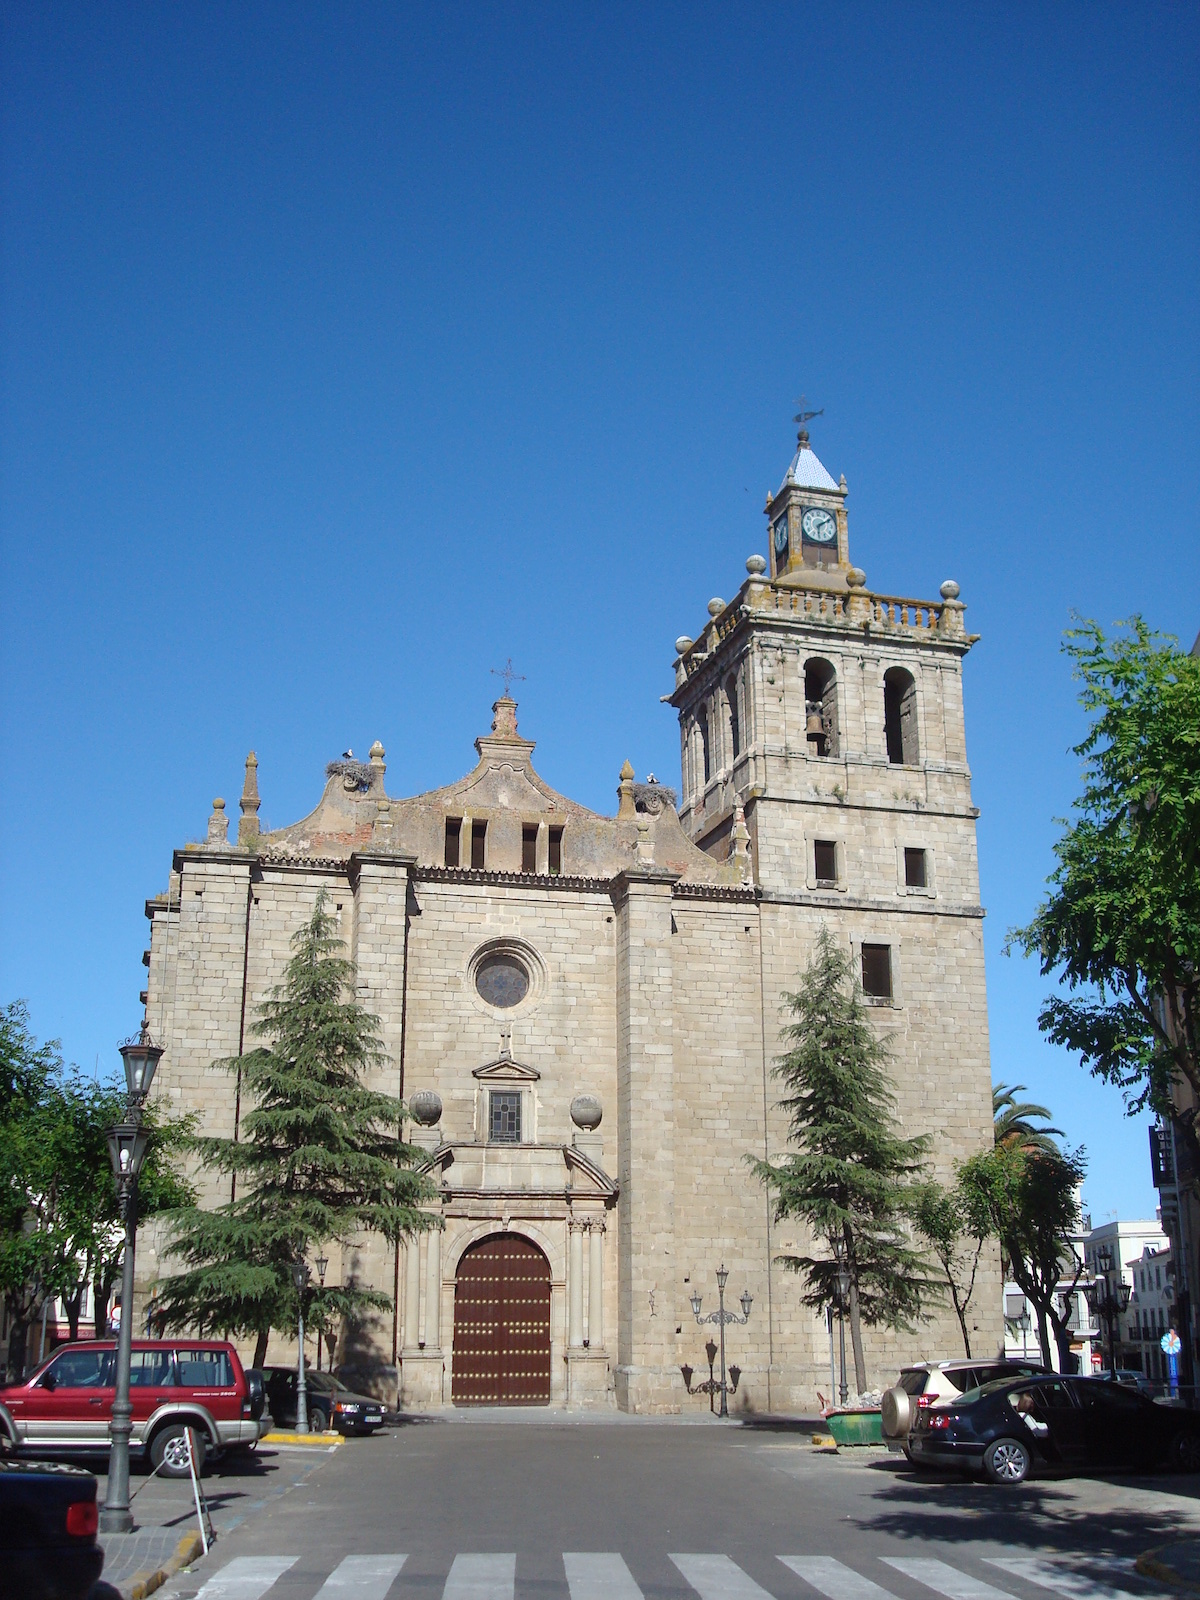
<point x="815" y="726"/>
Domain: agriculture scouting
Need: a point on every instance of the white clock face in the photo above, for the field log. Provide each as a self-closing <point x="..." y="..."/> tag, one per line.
<point x="781" y="536"/>
<point x="819" y="527"/>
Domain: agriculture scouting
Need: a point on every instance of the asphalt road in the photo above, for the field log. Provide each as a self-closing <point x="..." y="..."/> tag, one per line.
<point x="482" y="1510"/>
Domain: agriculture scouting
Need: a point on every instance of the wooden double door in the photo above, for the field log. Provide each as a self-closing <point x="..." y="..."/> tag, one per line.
<point x="502" y="1324"/>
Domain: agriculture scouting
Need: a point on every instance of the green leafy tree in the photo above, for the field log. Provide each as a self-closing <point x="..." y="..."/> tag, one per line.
<point x="1120" y="928"/>
<point x="59" y="1227"/>
<point x="955" y="1227"/>
<point x="320" y="1158"/>
<point x="1031" y="1197"/>
<point x="849" y="1177"/>
<point x="1014" y="1121"/>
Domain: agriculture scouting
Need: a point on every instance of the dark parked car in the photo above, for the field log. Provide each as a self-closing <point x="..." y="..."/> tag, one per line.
<point x="48" y="1520"/>
<point x="330" y="1403"/>
<point x="1009" y="1428"/>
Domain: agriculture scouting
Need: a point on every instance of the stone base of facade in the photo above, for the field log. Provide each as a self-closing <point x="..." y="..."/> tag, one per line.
<point x="649" y="1391"/>
<point x="422" y="1380"/>
<point x="588" y="1383"/>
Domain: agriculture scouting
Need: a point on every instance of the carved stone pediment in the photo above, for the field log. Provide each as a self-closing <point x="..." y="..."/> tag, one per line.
<point x="506" y="1067"/>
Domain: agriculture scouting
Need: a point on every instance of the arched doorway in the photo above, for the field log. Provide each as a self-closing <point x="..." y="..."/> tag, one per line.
<point x="502" y="1324"/>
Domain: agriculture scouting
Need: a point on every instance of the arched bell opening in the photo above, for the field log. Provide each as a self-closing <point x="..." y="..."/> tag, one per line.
<point x="820" y="707"/>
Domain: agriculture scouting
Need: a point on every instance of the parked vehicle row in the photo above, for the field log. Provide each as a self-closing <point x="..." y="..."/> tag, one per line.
<point x="1008" y="1428"/>
<point x="330" y="1403"/>
<point x="65" y="1406"/>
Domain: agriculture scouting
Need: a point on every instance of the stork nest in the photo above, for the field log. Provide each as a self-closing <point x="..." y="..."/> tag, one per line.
<point x="652" y="798"/>
<point x="354" y="774"/>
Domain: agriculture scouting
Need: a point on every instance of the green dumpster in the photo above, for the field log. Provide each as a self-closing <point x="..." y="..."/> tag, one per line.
<point x="856" y="1427"/>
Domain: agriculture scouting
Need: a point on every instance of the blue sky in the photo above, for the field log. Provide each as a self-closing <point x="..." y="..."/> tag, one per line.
<point x="348" y="351"/>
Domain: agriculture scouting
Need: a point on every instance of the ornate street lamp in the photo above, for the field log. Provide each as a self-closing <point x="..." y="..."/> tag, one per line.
<point x="1108" y="1300"/>
<point x="322" y="1266"/>
<point x="127" y="1150"/>
<point x="300" y="1277"/>
<point x="721" y="1317"/>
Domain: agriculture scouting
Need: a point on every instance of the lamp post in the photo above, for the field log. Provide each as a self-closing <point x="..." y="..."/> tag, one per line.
<point x="322" y="1266"/>
<point x="300" y="1277"/>
<point x="721" y="1317"/>
<point x="127" y="1151"/>
<point x="1108" y="1301"/>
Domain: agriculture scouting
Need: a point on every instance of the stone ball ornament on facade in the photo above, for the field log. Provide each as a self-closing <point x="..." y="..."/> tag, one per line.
<point x="715" y="606"/>
<point x="587" y="1113"/>
<point x="682" y="645"/>
<point x="856" y="578"/>
<point x="756" y="565"/>
<point x="949" y="590"/>
<point x="425" y="1108"/>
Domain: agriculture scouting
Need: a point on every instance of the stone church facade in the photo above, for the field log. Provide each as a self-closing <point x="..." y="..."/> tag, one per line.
<point x="582" y="1011"/>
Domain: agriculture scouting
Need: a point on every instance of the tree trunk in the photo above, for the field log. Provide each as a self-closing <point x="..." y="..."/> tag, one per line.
<point x="260" y="1347"/>
<point x="960" y="1312"/>
<point x="860" y="1365"/>
<point x="16" y="1348"/>
<point x="71" y="1307"/>
<point x="100" y="1303"/>
<point x="1043" y="1334"/>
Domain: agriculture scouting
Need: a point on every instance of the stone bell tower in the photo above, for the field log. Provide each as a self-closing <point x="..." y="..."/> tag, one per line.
<point x="830" y="717"/>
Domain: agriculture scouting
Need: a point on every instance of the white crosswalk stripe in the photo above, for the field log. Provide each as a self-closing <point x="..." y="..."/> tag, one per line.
<point x="364" y="1577"/>
<point x="944" y="1579"/>
<point x="1060" y="1579"/>
<point x="833" y="1579"/>
<point x="481" y="1578"/>
<point x="717" y="1578"/>
<point x="245" y="1578"/>
<point x="599" y="1577"/>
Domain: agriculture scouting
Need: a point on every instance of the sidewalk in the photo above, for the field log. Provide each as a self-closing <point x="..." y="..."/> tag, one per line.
<point x="166" y="1533"/>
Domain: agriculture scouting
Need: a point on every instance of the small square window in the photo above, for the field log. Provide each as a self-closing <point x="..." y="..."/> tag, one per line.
<point x="877" y="971"/>
<point x="825" y="860"/>
<point x="914" y="869"/>
<point x="478" y="844"/>
<point x="453" y="840"/>
<point x="504" y="1117"/>
<point x="529" y="835"/>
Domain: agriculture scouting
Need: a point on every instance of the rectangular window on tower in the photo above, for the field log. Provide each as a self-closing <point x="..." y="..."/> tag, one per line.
<point x="529" y="835"/>
<point x="825" y="861"/>
<point x="453" y="840"/>
<point x="478" y="842"/>
<point x="556" y="851"/>
<point x="877" y="972"/>
<point x="915" y="876"/>
<point x="504" y="1116"/>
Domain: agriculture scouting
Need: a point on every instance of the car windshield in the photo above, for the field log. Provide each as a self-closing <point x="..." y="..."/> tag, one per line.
<point x="322" y="1382"/>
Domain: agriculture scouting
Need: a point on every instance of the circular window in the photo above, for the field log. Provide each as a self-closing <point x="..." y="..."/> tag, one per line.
<point x="502" y="980"/>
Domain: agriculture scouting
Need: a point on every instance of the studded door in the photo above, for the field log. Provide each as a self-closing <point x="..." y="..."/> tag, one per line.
<point x="502" y="1324"/>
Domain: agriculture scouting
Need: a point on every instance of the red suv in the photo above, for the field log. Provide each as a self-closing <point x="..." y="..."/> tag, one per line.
<point x="174" y="1384"/>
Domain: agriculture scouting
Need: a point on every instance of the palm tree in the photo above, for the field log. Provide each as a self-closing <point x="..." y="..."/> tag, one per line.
<point x="1013" y="1120"/>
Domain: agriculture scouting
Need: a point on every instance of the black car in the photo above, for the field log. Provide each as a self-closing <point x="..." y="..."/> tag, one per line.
<point x="1009" y="1428"/>
<point x="48" y="1520"/>
<point x="330" y="1403"/>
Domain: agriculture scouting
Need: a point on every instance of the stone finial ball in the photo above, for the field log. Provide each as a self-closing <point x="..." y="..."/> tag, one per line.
<point x="377" y="751"/>
<point x="715" y="606"/>
<point x="949" y="590"/>
<point x="856" y="577"/>
<point x="426" y="1107"/>
<point x="683" y="643"/>
<point x="756" y="566"/>
<point x="586" y="1111"/>
<point x="218" y="804"/>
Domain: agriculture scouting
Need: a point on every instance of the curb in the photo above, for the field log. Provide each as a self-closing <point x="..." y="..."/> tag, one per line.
<point x="286" y="1436"/>
<point x="189" y="1549"/>
<point x="1148" y="1565"/>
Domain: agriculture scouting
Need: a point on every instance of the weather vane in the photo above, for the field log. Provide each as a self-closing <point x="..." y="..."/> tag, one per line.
<point x="508" y="673"/>
<point x="802" y="416"/>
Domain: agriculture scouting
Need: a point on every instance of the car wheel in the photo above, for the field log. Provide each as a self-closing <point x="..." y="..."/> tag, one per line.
<point x="169" y="1451"/>
<point x="318" y="1420"/>
<point x="1006" y="1461"/>
<point x="1185" y="1452"/>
